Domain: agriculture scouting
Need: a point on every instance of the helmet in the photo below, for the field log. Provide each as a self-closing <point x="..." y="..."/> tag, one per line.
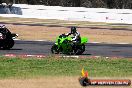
<point x="73" y="29"/>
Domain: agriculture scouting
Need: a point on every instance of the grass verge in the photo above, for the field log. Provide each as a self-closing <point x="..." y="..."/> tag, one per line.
<point x="29" y="68"/>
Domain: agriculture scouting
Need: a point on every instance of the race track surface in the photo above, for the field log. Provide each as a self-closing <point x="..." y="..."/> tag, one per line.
<point x="43" y="48"/>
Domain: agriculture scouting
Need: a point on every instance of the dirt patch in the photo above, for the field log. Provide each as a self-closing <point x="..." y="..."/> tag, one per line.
<point x="45" y="82"/>
<point x="50" y="33"/>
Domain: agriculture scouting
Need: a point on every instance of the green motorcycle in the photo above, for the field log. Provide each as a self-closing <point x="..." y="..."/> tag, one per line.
<point x="65" y="45"/>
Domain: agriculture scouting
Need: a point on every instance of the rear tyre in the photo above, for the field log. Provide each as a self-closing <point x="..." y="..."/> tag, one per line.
<point x="80" y="49"/>
<point x="54" y="49"/>
<point x="8" y="44"/>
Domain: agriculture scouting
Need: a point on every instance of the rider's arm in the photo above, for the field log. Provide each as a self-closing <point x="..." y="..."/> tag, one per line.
<point x="76" y="36"/>
<point x="68" y="34"/>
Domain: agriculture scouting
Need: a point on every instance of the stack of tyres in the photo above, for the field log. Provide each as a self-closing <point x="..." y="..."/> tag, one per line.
<point x="6" y="38"/>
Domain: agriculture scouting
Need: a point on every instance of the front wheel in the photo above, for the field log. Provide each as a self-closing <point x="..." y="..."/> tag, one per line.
<point x="54" y="49"/>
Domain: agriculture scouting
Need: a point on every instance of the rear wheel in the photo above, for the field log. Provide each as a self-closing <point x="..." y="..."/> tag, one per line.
<point x="54" y="49"/>
<point x="8" y="44"/>
<point x="79" y="49"/>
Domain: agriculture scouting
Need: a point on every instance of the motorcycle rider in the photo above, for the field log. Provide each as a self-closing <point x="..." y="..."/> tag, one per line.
<point x="76" y="35"/>
<point x="6" y="33"/>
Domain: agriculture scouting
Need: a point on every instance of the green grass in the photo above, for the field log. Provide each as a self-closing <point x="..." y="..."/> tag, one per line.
<point x="26" y="68"/>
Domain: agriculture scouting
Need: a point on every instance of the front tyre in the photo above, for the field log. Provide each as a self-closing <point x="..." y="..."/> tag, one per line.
<point x="54" y="49"/>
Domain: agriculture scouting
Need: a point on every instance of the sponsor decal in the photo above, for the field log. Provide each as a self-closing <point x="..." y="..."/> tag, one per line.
<point x="86" y="81"/>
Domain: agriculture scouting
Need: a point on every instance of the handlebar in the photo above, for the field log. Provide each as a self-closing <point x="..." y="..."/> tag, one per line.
<point x="62" y="35"/>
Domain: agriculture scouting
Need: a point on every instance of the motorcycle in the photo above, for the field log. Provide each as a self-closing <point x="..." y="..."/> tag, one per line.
<point x="6" y="38"/>
<point x="65" y="45"/>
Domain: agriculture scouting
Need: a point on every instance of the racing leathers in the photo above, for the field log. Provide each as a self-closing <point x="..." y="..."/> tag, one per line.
<point x="76" y="37"/>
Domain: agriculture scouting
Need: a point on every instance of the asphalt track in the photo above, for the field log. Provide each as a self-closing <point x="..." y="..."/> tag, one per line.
<point x="43" y="48"/>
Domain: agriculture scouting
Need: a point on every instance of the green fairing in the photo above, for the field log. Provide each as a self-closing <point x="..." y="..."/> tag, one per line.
<point x="84" y="40"/>
<point x="65" y="45"/>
